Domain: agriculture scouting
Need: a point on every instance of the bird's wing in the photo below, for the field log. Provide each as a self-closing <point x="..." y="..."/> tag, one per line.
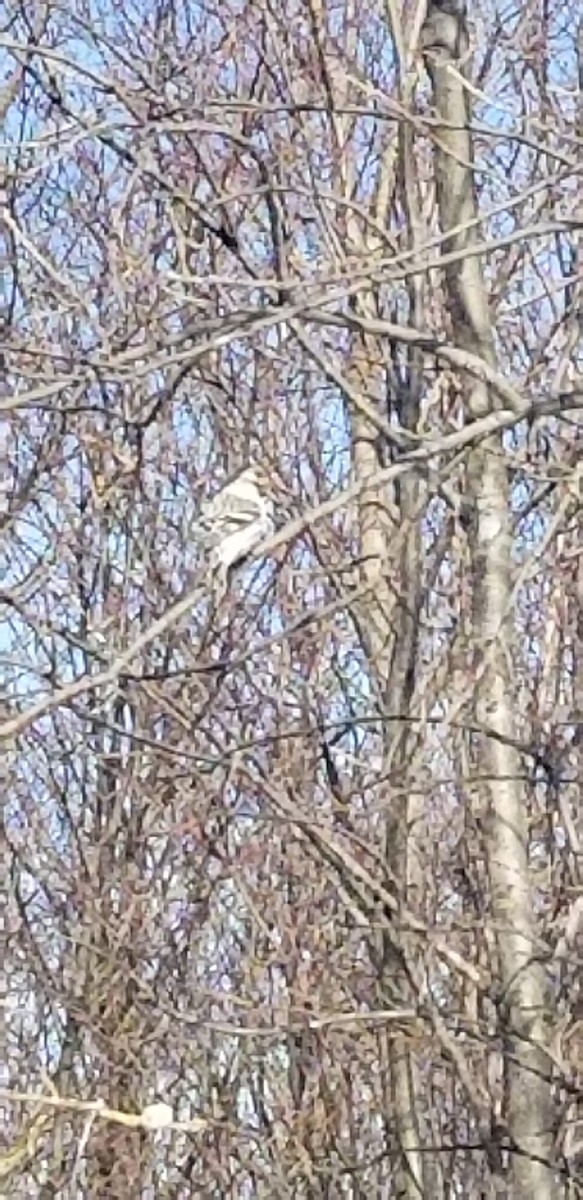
<point x="240" y="503"/>
<point x="239" y="509"/>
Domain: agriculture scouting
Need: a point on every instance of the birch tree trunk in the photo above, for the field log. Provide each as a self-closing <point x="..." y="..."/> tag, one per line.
<point x="527" y="1108"/>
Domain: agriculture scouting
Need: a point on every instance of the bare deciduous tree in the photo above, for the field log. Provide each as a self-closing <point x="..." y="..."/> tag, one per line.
<point x="293" y="897"/>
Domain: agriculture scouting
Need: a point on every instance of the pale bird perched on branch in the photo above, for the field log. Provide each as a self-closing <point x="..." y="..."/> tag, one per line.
<point x="240" y="516"/>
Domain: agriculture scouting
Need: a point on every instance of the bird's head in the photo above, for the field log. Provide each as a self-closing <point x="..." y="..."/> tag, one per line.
<point x="265" y="477"/>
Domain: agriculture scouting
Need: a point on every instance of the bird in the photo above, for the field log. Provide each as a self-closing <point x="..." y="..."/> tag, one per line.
<point x="237" y="519"/>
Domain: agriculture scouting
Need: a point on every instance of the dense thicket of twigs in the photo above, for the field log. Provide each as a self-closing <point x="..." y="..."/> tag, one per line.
<point x="195" y="201"/>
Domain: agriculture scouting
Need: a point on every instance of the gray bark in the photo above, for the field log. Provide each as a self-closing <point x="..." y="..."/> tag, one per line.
<point x="527" y="1113"/>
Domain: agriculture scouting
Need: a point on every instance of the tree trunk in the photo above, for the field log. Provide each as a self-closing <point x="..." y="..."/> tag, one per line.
<point x="527" y="1105"/>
